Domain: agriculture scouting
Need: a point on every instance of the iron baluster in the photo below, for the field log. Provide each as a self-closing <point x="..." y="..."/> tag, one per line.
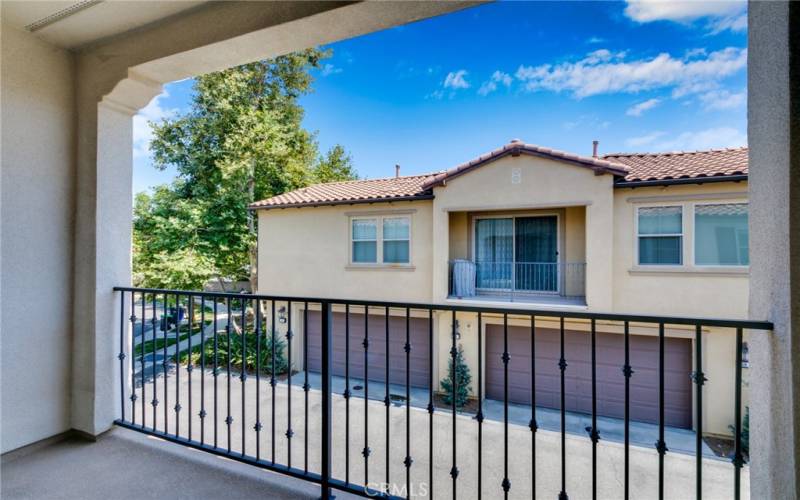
<point x="152" y="353"/>
<point x="327" y="355"/>
<point x="366" y="451"/>
<point x="738" y="457"/>
<point x="229" y="418"/>
<point x="142" y="345"/>
<point x="347" y="393"/>
<point x="661" y="446"/>
<point x="121" y="355"/>
<point x="216" y="374"/>
<point x="506" y="483"/>
<point x="430" y="402"/>
<point x="243" y="374"/>
<point x="562" y="365"/>
<point x="165" y="365"/>
<point x="257" y="426"/>
<point x="454" y="384"/>
<point x="272" y="381"/>
<point x="408" y="461"/>
<point x="177" y="406"/>
<point x="479" y="416"/>
<point x="699" y="379"/>
<point x="189" y="360"/>
<point x="306" y="387"/>
<point x="289" y="431"/>
<point x="202" y="413"/>
<point x="627" y="371"/>
<point x="386" y="400"/>
<point x="532" y="424"/>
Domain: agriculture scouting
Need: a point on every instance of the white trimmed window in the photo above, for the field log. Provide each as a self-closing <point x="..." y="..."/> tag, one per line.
<point x="396" y="240"/>
<point x="364" y="236"/>
<point x="660" y="235"/>
<point x="380" y="240"/>
<point x="721" y="235"/>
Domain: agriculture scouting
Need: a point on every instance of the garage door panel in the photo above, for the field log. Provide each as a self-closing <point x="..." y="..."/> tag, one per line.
<point x="419" y="374"/>
<point x="610" y="356"/>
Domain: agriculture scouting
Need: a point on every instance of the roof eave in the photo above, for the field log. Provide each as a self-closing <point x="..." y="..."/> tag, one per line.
<point x="311" y="204"/>
<point x="440" y="179"/>
<point x="684" y="180"/>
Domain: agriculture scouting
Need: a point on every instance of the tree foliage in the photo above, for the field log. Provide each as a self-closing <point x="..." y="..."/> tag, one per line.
<point x="240" y="141"/>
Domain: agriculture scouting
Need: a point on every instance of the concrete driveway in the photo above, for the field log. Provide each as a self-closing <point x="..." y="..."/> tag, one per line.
<point x="679" y="467"/>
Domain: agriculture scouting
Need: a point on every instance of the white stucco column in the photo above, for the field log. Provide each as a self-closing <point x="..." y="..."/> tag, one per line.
<point x="600" y="251"/>
<point x="774" y="137"/>
<point x="441" y="251"/>
<point x="103" y="251"/>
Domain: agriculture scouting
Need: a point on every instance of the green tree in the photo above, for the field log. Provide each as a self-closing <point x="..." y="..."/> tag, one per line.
<point x="240" y="141"/>
<point x="336" y="165"/>
<point x="458" y="371"/>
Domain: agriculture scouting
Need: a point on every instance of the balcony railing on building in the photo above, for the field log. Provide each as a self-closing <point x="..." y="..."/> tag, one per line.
<point x="536" y="282"/>
<point x="208" y="378"/>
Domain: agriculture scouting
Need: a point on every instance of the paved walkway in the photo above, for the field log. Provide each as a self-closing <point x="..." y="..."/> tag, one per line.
<point x="611" y="429"/>
<point x="249" y="406"/>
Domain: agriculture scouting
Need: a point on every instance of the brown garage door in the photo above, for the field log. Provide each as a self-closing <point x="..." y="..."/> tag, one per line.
<point x="578" y="376"/>
<point x="418" y="335"/>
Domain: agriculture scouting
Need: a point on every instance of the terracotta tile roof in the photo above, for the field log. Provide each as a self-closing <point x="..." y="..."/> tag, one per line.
<point x="645" y="167"/>
<point x="630" y="167"/>
<point x="517" y="147"/>
<point x="403" y="188"/>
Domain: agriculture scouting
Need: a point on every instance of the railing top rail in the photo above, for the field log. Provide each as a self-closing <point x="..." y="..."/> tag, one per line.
<point x="631" y="318"/>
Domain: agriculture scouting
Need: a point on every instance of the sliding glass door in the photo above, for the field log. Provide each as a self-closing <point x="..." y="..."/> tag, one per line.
<point x="518" y="253"/>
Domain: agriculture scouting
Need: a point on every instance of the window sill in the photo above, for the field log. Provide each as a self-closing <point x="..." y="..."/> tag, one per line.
<point x="697" y="270"/>
<point x="380" y="267"/>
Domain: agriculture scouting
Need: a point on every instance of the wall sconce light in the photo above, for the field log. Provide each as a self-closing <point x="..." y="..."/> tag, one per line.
<point x="282" y="314"/>
<point x="745" y="355"/>
<point x="458" y="331"/>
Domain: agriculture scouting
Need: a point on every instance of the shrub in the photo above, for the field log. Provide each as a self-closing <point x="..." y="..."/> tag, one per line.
<point x="232" y="344"/>
<point x="745" y="430"/>
<point x="462" y="377"/>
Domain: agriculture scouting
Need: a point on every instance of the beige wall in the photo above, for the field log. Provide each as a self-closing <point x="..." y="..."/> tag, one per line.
<point x="688" y="290"/>
<point x="543" y="184"/>
<point x="37" y="193"/>
<point x="305" y="252"/>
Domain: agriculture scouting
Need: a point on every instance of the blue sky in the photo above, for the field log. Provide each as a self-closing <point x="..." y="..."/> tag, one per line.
<point x="644" y="76"/>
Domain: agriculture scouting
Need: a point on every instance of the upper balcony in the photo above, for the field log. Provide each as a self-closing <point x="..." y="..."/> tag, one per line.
<point x="535" y="257"/>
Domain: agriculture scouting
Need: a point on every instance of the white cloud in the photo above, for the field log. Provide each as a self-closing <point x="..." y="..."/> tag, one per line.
<point x="602" y="72"/>
<point x="587" y="122"/>
<point x="142" y="132"/>
<point x="640" y="108"/>
<point x="330" y="69"/>
<point x="643" y="140"/>
<point x="723" y="99"/>
<point x="498" y="77"/>
<point x="595" y="39"/>
<point x="719" y="15"/>
<point x="456" y="80"/>
<point x="719" y="137"/>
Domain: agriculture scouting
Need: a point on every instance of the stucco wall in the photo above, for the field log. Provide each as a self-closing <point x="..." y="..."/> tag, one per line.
<point x="37" y="196"/>
<point x="541" y="184"/>
<point x="306" y="252"/>
<point x="689" y="290"/>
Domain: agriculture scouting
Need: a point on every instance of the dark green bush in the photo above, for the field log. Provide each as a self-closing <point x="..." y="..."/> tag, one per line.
<point x="463" y="377"/>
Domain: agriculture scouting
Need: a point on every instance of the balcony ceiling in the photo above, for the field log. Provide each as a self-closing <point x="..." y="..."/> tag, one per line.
<point x="72" y="25"/>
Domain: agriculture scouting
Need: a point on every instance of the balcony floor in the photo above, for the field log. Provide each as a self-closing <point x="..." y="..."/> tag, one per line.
<point x="526" y="299"/>
<point x="124" y="464"/>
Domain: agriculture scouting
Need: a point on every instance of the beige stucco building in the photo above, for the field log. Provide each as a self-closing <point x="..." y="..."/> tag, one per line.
<point x="532" y="229"/>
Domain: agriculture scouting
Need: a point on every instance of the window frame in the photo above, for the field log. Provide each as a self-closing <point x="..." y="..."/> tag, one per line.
<point x="379" y="240"/>
<point x="681" y="235"/>
<point x="694" y="234"/>
<point x="353" y="240"/>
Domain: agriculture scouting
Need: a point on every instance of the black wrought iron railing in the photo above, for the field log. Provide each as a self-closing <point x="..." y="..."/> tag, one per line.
<point x="361" y="408"/>
<point x="516" y="279"/>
